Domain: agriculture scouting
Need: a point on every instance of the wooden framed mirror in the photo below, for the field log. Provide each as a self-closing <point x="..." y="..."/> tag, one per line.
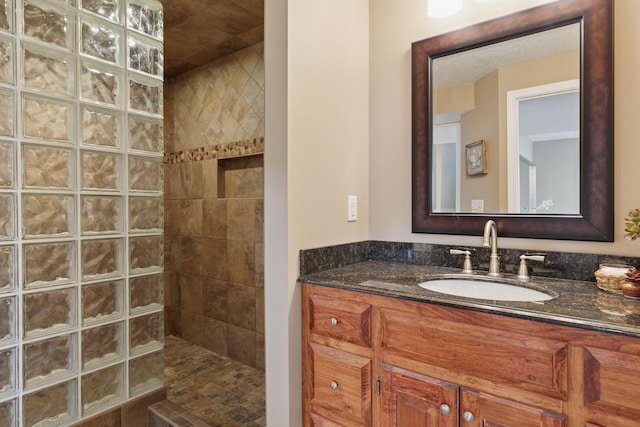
<point x="449" y="82"/>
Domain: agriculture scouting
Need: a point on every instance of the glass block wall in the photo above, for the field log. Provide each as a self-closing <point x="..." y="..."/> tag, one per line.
<point x="81" y="251"/>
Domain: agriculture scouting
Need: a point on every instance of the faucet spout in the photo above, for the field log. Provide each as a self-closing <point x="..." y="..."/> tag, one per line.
<point x="490" y="239"/>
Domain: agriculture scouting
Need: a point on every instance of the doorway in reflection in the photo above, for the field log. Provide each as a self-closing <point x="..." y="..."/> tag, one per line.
<point x="544" y="149"/>
<point x="446" y="152"/>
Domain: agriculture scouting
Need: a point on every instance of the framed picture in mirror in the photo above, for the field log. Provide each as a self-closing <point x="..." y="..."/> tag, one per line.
<point x="476" y="158"/>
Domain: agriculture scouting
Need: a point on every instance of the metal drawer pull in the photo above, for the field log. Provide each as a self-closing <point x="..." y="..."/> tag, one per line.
<point x="333" y="385"/>
<point x="468" y="416"/>
<point x="334" y="321"/>
<point x="445" y="409"/>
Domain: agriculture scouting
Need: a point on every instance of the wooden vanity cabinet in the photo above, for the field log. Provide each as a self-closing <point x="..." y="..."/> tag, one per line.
<point x="383" y="361"/>
<point x="337" y="364"/>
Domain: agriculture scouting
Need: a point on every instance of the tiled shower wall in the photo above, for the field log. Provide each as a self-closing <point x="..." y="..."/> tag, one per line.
<point x="214" y="123"/>
<point x="81" y="252"/>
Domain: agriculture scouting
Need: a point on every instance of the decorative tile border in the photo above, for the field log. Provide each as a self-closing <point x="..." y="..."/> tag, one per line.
<point x="227" y="150"/>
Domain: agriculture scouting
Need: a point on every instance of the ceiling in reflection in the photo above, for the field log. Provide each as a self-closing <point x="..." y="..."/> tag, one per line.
<point x="197" y="32"/>
<point x="471" y="65"/>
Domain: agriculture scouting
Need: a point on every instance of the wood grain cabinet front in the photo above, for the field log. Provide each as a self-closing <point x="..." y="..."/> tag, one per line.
<point x="389" y="362"/>
<point x="341" y="319"/>
<point x="341" y="386"/>
<point x="409" y="399"/>
<point x="611" y="385"/>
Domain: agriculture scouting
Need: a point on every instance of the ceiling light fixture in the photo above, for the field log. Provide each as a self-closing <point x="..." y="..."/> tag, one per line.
<point x="443" y="8"/>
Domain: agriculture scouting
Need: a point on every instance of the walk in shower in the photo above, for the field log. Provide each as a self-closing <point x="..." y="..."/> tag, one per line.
<point x="81" y="194"/>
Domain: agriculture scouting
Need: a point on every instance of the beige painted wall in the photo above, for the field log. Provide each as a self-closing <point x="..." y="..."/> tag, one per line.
<point x="454" y="99"/>
<point x="394" y="25"/>
<point x="317" y="134"/>
<point x="477" y="124"/>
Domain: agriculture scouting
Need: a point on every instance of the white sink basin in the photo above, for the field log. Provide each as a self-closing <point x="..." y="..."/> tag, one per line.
<point x="480" y="289"/>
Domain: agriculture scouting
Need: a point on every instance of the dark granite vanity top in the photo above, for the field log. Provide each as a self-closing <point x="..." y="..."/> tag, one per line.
<point x="577" y="303"/>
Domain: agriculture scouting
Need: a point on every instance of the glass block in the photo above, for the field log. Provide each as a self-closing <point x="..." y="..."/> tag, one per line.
<point x="100" y="83"/>
<point x="101" y="215"/>
<point x="48" y="264"/>
<point x="146" y="333"/>
<point x="8" y="367"/>
<point x="49" y="23"/>
<point x="49" y="361"/>
<point x="8" y="411"/>
<point x="100" y="40"/>
<point x="7" y="217"/>
<point x="146" y="17"/>
<point x="102" y="345"/>
<point x="7" y="55"/>
<point x="51" y="406"/>
<point x="7" y="320"/>
<point x="7" y="103"/>
<point x="7" y="168"/>
<point x="102" y="388"/>
<point x="100" y="171"/>
<point x="146" y="293"/>
<point x="47" y="70"/>
<point x="145" y="214"/>
<point x="102" y="302"/>
<point x="145" y="173"/>
<point x="145" y="95"/>
<point x="145" y="134"/>
<point x="101" y="258"/>
<point x="7" y="272"/>
<point x="146" y="56"/>
<point x="50" y="312"/>
<point x="47" y="215"/>
<point x="47" y="167"/>
<point x="45" y="118"/>
<point x="100" y="127"/>
<point x="145" y="253"/>
<point x="146" y="373"/>
<point x="109" y="9"/>
<point x="6" y="15"/>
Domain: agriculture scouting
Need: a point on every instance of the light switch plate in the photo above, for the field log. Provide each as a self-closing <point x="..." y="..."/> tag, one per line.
<point x="352" y="208"/>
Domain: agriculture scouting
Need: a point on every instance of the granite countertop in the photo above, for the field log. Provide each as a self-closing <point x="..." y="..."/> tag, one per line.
<point x="576" y="303"/>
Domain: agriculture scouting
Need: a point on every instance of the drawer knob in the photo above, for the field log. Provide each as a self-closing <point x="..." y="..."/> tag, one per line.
<point x="445" y="409"/>
<point x="333" y="385"/>
<point x="334" y="321"/>
<point x="468" y="416"/>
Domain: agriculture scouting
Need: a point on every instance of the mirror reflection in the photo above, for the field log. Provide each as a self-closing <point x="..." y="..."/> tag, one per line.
<point x="506" y="126"/>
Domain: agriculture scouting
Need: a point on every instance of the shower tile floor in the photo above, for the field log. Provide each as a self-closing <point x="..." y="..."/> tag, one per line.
<point x="218" y="390"/>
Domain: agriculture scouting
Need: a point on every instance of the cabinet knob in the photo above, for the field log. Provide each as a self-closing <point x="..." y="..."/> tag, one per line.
<point x="468" y="416"/>
<point x="334" y="321"/>
<point x="445" y="409"/>
<point x="333" y="385"/>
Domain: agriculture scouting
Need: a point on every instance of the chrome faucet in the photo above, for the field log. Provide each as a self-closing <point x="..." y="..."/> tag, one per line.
<point x="490" y="239"/>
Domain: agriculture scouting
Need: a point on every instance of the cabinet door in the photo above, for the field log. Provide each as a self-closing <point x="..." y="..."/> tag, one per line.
<point x="479" y="410"/>
<point x="409" y="399"/>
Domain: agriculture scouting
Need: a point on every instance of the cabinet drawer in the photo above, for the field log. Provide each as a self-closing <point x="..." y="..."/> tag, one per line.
<point x="341" y="389"/>
<point x="340" y="319"/>
<point x="525" y="362"/>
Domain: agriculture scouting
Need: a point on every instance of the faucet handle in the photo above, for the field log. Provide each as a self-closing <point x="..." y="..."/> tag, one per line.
<point x="467" y="268"/>
<point x="523" y="270"/>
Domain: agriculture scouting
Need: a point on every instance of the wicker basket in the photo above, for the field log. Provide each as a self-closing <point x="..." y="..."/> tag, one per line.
<point x="609" y="283"/>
